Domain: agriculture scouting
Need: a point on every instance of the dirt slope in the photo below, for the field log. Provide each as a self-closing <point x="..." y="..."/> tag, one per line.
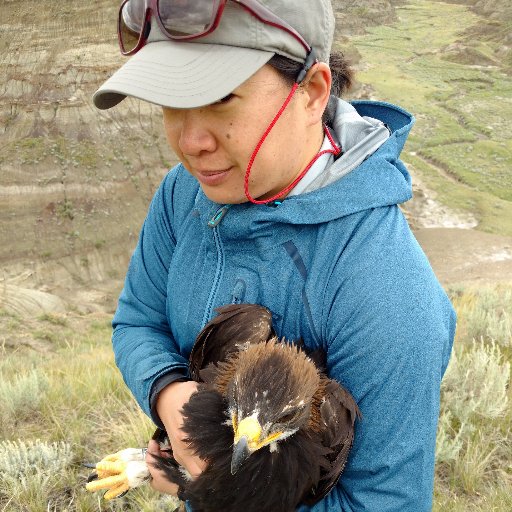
<point x="75" y="182"/>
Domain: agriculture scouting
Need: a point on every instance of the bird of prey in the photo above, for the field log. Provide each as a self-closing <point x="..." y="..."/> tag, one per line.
<point x="274" y="430"/>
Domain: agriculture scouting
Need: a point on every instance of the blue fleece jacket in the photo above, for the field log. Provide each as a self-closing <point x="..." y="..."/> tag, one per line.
<point x="339" y="268"/>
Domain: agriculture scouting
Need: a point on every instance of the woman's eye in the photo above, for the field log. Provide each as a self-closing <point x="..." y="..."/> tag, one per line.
<point x="226" y="99"/>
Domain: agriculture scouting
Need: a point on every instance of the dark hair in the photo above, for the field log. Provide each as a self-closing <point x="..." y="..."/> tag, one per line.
<point x="342" y="77"/>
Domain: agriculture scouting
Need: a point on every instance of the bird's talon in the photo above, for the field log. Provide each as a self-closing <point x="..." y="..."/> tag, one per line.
<point x="108" y="497"/>
<point x="92" y="477"/>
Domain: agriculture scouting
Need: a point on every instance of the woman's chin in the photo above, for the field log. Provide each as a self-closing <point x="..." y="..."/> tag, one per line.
<point x="223" y="196"/>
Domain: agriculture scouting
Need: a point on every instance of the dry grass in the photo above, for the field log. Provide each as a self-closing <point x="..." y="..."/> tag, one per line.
<point x="68" y="405"/>
<point x="474" y="449"/>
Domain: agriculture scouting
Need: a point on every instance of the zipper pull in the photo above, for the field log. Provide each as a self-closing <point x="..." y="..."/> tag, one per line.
<point x="218" y="216"/>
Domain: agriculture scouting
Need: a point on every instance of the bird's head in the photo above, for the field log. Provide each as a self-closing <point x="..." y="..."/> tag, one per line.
<point x="270" y="397"/>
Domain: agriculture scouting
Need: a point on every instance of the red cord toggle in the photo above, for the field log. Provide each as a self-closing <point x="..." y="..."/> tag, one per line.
<point x="336" y="150"/>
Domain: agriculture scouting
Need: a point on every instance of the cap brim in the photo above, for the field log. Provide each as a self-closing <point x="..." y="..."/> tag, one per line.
<point x="181" y="75"/>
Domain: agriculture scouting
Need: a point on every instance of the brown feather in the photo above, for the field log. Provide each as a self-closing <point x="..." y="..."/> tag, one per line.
<point x="235" y="325"/>
<point x="338" y="412"/>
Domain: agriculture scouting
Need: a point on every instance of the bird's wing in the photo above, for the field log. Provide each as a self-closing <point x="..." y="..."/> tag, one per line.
<point x="338" y="413"/>
<point x="235" y="326"/>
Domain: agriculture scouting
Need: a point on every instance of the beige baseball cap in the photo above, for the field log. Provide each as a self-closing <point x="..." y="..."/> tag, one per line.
<point x="202" y="71"/>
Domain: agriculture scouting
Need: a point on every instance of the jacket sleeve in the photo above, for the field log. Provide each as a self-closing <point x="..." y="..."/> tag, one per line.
<point x="389" y="330"/>
<point x="143" y="343"/>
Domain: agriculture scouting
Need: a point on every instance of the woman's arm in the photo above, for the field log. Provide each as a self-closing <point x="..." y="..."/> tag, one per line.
<point x="389" y="329"/>
<point x="144" y="347"/>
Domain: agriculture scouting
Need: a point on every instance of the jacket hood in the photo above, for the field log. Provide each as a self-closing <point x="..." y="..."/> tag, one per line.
<point x="380" y="179"/>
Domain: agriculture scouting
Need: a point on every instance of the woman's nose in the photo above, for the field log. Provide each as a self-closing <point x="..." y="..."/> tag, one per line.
<point x="196" y="135"/>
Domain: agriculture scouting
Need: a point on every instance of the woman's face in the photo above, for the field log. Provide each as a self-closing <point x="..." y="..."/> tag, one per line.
<point x="215" y="142"/>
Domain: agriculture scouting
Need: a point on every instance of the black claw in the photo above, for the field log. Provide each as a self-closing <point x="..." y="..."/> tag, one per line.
<point x="92" y="477"/>
<point x="120" y="496"/>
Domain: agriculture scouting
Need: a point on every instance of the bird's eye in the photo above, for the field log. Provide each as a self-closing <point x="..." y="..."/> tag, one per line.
<point x="287" y="417"/>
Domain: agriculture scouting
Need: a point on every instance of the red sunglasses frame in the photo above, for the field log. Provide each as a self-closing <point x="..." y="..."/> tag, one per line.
<point x="254" y="7"/>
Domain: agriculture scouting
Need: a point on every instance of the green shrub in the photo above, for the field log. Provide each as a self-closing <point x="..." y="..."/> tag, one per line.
<point x="474" y="406"/>
<point x="484" y="312"/>
<point x="31" y="470"/>
<point x="22" y="395"/>
<point x="475" y="383"/>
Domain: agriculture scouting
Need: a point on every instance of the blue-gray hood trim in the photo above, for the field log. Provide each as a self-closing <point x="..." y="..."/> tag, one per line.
<point x="358" y="136"/>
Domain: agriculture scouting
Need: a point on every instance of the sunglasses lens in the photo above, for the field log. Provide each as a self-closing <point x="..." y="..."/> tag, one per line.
<point x="130" y="23"/>
<point x="185" y="18"/>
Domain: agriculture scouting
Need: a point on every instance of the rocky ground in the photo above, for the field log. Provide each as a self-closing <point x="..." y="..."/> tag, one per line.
<point x="75" y="182"/>
<point x="457" y="250"/>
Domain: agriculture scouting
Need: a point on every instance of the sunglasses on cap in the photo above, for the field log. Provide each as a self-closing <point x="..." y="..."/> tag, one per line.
<point x="184" y="20"/>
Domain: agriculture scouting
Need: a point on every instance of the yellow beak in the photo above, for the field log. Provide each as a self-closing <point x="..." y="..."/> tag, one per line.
<point x="247" y="436"/>
<point x="249" y="428"/>
<point x="247" y="440"/>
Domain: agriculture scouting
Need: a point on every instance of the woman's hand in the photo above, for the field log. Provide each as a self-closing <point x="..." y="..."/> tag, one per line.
<point x="158" y="480"/>
<point x="169" y="407"/>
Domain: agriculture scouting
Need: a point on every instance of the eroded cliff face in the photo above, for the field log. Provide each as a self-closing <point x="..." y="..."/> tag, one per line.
<point x="354" y="16"/>
<point x="75" y="182"/>
<point x="494" y="27"/>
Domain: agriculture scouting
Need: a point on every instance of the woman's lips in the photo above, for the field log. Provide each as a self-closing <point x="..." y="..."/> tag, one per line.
<point x="213" y="177"/>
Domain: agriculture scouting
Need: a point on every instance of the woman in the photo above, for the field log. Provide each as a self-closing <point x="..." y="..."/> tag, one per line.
<point x="271" y="206"/>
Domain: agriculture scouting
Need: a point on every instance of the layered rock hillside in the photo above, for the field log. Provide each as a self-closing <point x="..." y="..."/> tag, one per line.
<point x="74" y="182"/>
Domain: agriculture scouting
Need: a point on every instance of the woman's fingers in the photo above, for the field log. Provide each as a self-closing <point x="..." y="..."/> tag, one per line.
<point x="194" y="465"/>
<point x="159" y="480"/>
<point x="170" y="406"/>
<point x="186" y="457"/>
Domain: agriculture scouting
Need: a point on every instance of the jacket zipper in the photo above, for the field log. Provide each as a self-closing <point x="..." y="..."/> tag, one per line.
<point x="220" y="262"/>
<point x="218" y="216"/>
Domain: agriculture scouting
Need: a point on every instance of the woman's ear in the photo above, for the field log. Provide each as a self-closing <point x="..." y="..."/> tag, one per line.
<point x="317" y="86"/>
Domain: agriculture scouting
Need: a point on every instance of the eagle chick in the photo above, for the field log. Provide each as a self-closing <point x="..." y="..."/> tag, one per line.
<point x="274" y="430"/>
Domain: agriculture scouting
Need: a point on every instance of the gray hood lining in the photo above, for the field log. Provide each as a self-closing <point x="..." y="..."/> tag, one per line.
<point x="359" y="138"/>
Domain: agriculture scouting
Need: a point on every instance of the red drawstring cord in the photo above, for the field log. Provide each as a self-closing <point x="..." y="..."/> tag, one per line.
<point x="335" y="151"/>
